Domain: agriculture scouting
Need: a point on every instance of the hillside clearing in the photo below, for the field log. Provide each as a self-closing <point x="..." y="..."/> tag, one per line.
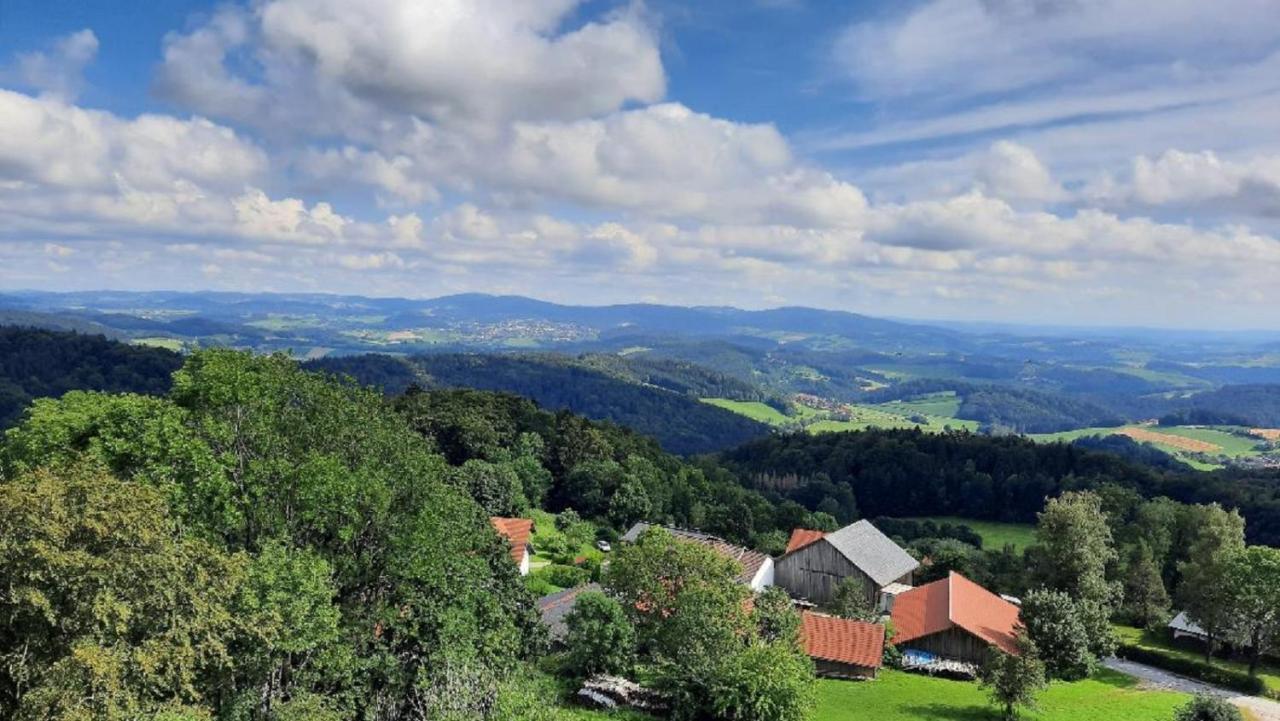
<point x="995" y="535"/>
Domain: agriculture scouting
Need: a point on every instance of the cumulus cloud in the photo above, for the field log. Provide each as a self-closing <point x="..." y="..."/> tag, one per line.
<point x="1195" y="180"/>
<point x="455" y="62"/>
<point x="59" y="70"/>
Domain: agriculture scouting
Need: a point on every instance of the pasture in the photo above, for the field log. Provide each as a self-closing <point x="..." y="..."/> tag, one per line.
<point x="898" y="696"/>
<point x="995" y="535"/>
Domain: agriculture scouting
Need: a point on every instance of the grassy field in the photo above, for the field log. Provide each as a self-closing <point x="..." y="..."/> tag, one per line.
<point x="995" y="535"/>
<point x="544" y="529"/>
<point x="1180" y="441"/>
<point x="1269" y="673"/>
<point x="897" y="696"/>
<point x="1230" y="443"/>
<point x="942" y="405"/>
<point x="172" y="344"/>
<point x="755" y="410"/>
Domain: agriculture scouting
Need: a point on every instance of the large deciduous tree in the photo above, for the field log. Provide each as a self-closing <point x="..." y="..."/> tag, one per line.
<point x="1254" y="579"/>
<point x="1205" y="592"/>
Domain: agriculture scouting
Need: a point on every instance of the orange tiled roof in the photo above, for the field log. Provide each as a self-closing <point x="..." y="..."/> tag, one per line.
<point x="843" y="640"/>
<point x="516" y="531"/>
<point x="955" y="601"/>
<point x="801" y="537"/>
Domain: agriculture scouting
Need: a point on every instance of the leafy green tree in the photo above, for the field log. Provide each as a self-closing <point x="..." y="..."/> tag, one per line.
<point x="1076" y="545"/>
<point x="763" y="682"/>
<point x="630" y="503"/>
<point x="1014" y="680"/>
<point x="776" y="619"/>
<point x="1145" y="600"/>
<point x="110" y="612"/>
<point x="1054" y="627"/>
<point x="852" y="600"/>
<point x="1205" y="593"/>
<point x="600" y="638"/>
<point x="1254" y="578"/>
<point x="495" y="486"/>
<point x="1208" y="708"/>
<point x="947" y="555"/>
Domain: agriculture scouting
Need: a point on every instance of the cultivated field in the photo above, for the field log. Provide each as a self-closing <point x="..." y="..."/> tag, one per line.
<point x="1182" y="443"/>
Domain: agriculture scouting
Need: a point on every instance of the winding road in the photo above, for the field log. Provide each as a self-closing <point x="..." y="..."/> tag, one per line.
<point x="1151" y="677"/>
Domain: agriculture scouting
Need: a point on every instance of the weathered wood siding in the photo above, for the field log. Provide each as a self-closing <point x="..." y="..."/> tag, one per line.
<point x="834" y="669"/>
<point x="956" y="644"/>
<point x="813" y="572"/>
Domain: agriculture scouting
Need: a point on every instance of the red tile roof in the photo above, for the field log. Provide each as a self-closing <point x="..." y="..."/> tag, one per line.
<point x="517" y="531"/>
<point x="802" y="537"/>
<point x="955" y="601"/>
<point x="842" y="640"/>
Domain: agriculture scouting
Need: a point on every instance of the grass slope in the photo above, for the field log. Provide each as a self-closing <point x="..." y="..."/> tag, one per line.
<point x="996" y="535"/>
<point x="898" y="696"/>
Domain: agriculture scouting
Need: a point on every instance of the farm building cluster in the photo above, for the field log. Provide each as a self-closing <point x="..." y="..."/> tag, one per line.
<point x="948" y="626"/>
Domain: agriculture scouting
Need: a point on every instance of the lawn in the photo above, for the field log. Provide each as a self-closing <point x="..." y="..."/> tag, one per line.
<point x="1269" y="673"/>
<point x="898" y="696"/>
<point x="994" y="534"/>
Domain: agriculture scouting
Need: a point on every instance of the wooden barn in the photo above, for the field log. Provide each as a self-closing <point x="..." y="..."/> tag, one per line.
<point x="954" y="619"/>
<point x="842" y="647"/>
<point x="815" y="562"/>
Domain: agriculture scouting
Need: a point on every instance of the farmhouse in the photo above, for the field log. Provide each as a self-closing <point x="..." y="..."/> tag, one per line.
<point x="757" y="568"/>
<point x="842" y="647"/>
<point x="517" y="532"/>
<point x="955" y="619"/>
<point x="815" y="562"/>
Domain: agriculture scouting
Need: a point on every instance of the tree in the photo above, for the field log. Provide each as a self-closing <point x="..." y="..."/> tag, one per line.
<point x="1076" y="546"/>
<point x="495" y="486"/>
<point x="1254" y="579"/>
<point x="763" y="682"/>
<point x="851" y="600"/>
<point x="1145" y="600"/>
<point x="1054" y="626"/>
<point x="776" y="619"/>
<point x="630" y="503"/>
<point x="1014" y="680"/>
<point x="1208" y="708"/>
<point x="600" y="638"/>
<point x="1205" y="592"/>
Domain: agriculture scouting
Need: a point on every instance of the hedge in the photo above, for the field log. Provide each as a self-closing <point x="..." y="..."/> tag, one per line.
<point x="1199" y="670"/>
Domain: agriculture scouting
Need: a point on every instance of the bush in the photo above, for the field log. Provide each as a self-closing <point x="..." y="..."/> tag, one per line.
<point x="565" y="576"/>
<point x="1193" y="668"/>
<point x="600" y="638"/>
<point x="1208" y="708"/>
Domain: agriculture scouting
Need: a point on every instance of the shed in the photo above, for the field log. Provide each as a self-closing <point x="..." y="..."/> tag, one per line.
<point x="1183" y="627"/>
<point x="955" y="619"/>
<point x="556" y="607"/>
<point x="816" y="565"/>
<point x="842" y="647"/>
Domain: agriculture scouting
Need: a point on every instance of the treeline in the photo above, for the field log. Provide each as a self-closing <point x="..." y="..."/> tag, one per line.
<point x="679" y="422"/>
<point x="1008" y="409"/>
<point x="903" y="473"/>
<point x="38" y="363"/>
<point x="1255" y="405"/>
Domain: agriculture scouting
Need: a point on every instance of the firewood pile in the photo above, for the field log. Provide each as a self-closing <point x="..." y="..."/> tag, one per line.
<point x="611" y="692"/>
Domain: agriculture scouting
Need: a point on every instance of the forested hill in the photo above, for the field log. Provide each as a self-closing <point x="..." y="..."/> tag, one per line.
<point x="1006" y="478"/>
<point x="36" y="363"/>
<point x="646" y="401"/>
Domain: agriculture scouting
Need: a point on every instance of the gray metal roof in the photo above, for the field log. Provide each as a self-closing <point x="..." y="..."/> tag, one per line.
<point x="872" y="551"/>
<point x="1183" y="623"/>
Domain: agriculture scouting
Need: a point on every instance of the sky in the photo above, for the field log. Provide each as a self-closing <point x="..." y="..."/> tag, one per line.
<point x="1076" y="162"/>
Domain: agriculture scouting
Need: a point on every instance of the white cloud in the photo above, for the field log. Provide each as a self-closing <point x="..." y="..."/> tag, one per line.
<point x="1195" y="180"/>
<point x="58" y="71"/>
<point x="454" y="62"/>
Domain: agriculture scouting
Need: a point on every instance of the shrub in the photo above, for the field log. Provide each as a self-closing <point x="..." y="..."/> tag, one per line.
<point x="1208" y="708"/>
<point x="1193" y="668"/>
<point x="565" y="576"/>
<point x="600" y="638"/>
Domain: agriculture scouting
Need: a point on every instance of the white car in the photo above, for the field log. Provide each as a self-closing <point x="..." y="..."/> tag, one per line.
<point x="604" y="546"/>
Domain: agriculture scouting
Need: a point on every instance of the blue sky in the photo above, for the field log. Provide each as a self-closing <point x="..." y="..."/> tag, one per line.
<point x="1069" y="162"/>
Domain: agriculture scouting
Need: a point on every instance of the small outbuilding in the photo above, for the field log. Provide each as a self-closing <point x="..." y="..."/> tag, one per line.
<point x="815" y="562"/>
<point x="954" y="619"/>
<point x="1183" y="627"/>
<point x="555" y="608"/>
<point x="842" y="647"/>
